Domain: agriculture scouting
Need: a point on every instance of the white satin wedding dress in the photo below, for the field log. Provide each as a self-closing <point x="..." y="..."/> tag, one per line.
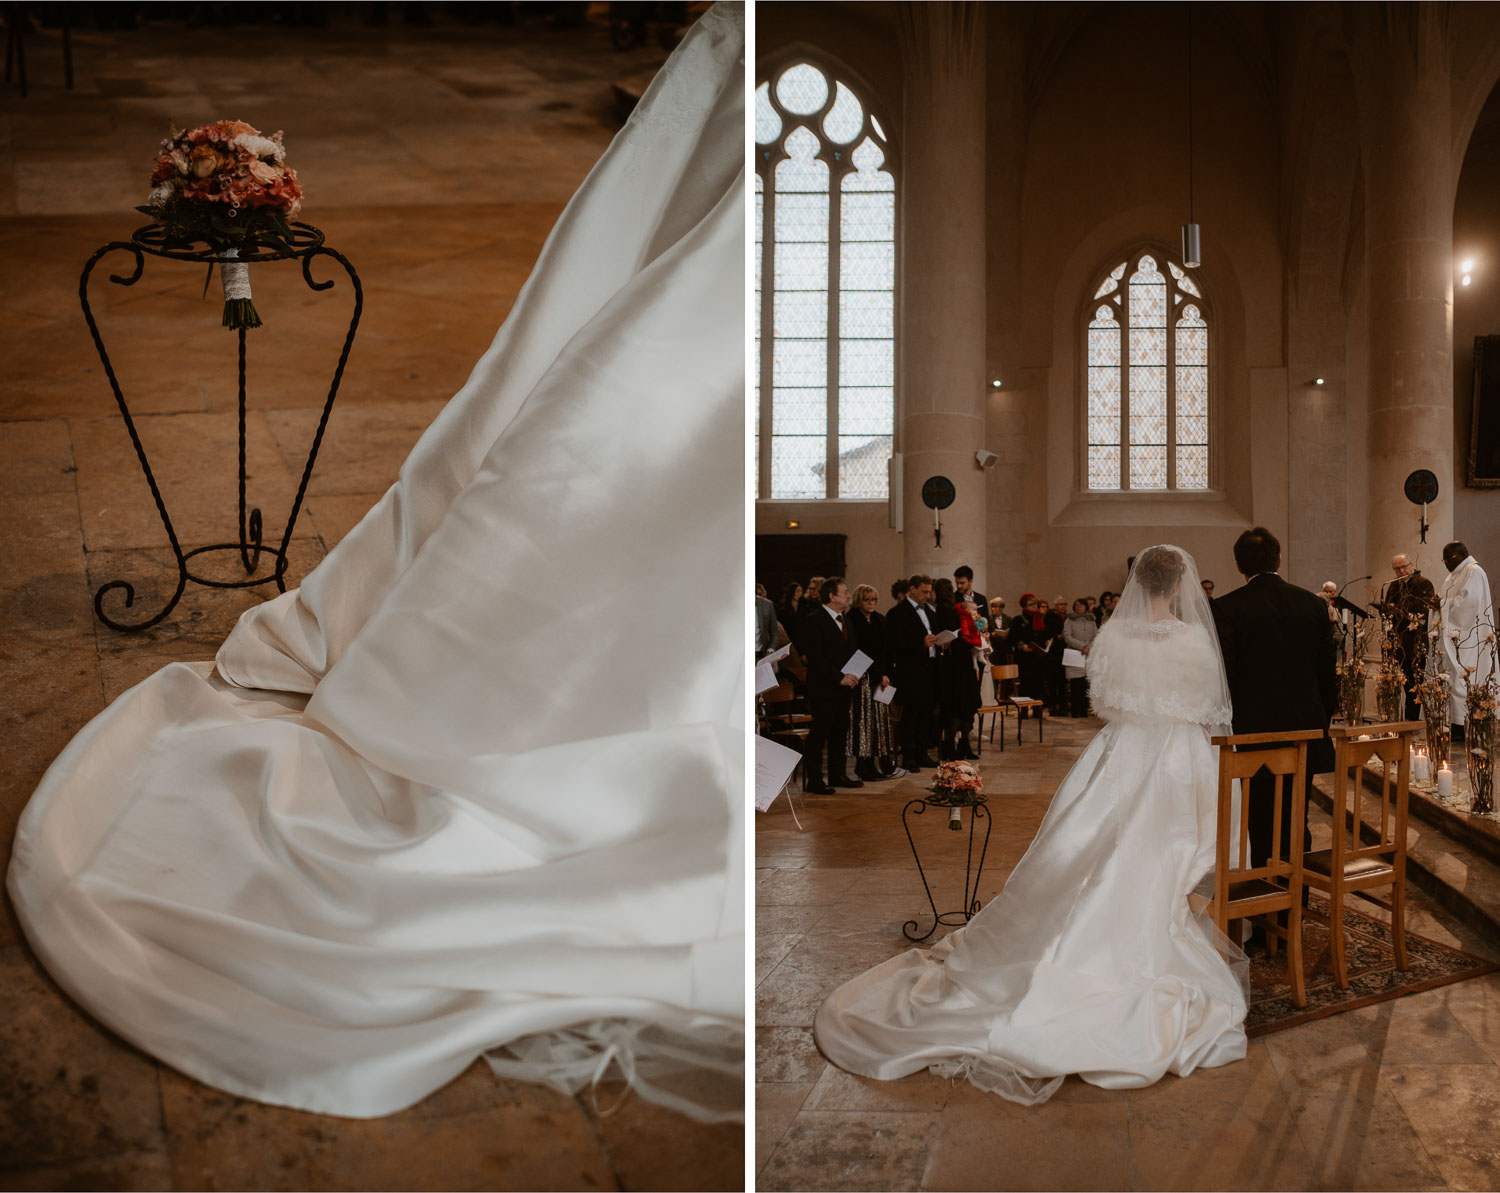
<point x="1089" y="960"/>
<point x="474" y="788"/>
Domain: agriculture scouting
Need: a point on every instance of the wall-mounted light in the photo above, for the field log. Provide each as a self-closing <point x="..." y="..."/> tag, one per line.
<point x="995" y="384"/>
<point x="985" y="459"/>
<point x="792" y="524"/>
<point x="1466" y="268"/>
<point x="1317" y="381"/>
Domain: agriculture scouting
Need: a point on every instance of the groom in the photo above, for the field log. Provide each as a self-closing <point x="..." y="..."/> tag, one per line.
<point x="1279" y="659"/>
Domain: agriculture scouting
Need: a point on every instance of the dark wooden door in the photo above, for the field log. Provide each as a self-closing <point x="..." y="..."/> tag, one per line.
<point x="783" y="558"/>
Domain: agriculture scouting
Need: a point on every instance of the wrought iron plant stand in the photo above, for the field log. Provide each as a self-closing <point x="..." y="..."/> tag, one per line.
<point x="306" y="244"/>
<point x="977" y="812"/>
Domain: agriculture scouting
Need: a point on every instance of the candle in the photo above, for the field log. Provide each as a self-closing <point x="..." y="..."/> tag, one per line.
<point x="1445" y="782"/>
<point x="1419" y="767"/>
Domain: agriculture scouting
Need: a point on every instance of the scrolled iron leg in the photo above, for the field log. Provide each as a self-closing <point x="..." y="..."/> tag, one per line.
<point x="129" y="589"/>
<point x="920" y="806"/>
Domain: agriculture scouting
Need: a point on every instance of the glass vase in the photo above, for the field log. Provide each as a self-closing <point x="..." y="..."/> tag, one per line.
<point x="1479" y="745"/>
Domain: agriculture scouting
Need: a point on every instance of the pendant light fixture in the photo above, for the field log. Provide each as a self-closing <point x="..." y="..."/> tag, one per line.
<point x="1192" y="244"/>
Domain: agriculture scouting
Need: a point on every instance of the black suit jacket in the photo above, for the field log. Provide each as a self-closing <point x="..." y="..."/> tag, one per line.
<point x="1279" y="658"/>
<point x="913" y="673"/>
<point x="825" y="651"/>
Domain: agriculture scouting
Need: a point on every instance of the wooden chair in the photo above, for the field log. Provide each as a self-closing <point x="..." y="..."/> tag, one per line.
<point x="1007" y="673"/>
<point x="784" y="721"/>
<point x="1276" y="884"/>
<point x="1351" y="866"/>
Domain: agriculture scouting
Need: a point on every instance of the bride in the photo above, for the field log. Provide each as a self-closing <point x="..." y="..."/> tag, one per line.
<point x="410" y="816"/>
<point x="1090" y="960"/>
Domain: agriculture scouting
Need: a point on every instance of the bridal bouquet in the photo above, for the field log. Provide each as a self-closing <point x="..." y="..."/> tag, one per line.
<point x="957" y="785"/>
<point x="227" y="185"/>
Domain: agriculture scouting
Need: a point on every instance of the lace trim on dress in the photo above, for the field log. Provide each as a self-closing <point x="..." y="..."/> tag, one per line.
<point x="1157" y="669"/>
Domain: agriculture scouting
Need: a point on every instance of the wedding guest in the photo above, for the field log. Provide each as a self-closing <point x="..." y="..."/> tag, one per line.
<point x="1468" y="628"/>
<point x="998" y="616"/>
<point x="999" y="636"/>
<point x="911" y="646"/>
<point x="1105" y="607"/>
<point x="958" y="687"/>
<point x="898" y="592"/>
<point x="1078" y="634"/>
<point x="1409" y="599"/>
<point x="1060" y="607"/>
<point x="827" y="642"/>
<point x="1279" y="661"/>
<point x="765" y="624"/>
<point x="810" y="601"/>
<point x="870" y="741"/>
<point x="1208" y="589"/>
<point x="789" y="608"/>
<point x="1054" y="685"/>
<point x="1027" y="637"/>
<point x="963" y="587"/>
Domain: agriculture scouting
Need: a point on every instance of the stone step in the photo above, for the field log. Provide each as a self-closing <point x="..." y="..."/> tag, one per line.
<point x="1452" y="856"/>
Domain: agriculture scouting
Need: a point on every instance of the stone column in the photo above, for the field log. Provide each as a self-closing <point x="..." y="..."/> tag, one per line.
<point x="1401" y="59"/>
<point x="942" y="314"/>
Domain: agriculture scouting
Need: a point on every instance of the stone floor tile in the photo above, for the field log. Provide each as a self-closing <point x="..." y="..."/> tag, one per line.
<point x="801" y="888"/>
<point x="1361" y="1139"/>
<point x="1327" y="1053"/>
<point x="53" y="687"/>
<point x="1476" y="1006"/>
<point x="335" y="515"/>
<point x="36" y="456"/>
<point x="71" y="1090"/>
<point x="838" y="1090"/>
<point x="194" y="458"/>
<point x="786" y="1054"/>
<point x="770" y="948"/>
<point x="841" y="1149"/>
<point x="42" y="590"/>
<point x="364" y="447"/>
<point x="776" y="1105"/>
<point x="786" y="918"/>
<point x="985" y="1142"/>
<point x="1453" y="1109"/>
<point x="219" y="1141"/>
<point x="127" y="1172"/>
<point x="1418" y="1028"/>
<point x="651" y="1147"/>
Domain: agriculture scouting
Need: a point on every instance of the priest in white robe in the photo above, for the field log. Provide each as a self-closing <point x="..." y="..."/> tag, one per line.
<point x="1468" y="625"/>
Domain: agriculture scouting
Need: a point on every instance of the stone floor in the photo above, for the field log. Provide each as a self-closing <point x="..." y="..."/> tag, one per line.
<point x="436" y="160"/>
<point x="1400" y="1095"/>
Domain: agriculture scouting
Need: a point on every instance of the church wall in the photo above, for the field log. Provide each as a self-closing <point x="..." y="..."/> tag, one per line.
<point x="1476" y="312"/>
<point x="1094" y="190"/>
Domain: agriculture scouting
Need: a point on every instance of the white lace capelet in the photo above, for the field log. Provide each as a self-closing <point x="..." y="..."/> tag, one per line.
<point x="1164" y="669"/>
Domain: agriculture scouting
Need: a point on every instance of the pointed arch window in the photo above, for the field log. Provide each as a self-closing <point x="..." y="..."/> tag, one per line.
<point x="825" y="272"/>
<point x="1146" y="344"/>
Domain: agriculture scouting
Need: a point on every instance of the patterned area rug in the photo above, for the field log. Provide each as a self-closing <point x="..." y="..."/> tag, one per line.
<point x="1373" y="976"/>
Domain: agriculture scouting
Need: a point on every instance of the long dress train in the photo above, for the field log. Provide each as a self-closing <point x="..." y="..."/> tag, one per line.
<point x="1089" y="961"/>
<point x="415" y="815"/>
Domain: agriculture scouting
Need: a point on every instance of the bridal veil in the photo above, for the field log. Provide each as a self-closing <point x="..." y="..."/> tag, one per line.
<point x="476" y="787"/>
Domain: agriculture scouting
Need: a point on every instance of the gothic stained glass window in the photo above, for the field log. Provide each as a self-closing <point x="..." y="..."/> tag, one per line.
<point x="1146" y="381"/>
<point x="825" y="228"/>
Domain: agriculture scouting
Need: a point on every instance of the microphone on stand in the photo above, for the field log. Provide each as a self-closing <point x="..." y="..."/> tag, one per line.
<point x="1349" y="582"/>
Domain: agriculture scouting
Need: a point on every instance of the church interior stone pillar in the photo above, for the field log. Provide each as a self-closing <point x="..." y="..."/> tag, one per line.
<point x="1402" y="65"/>
<point x="942" y="314"/>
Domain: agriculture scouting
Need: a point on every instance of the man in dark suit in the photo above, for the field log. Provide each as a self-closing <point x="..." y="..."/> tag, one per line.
<point x="827" y="642"/>
<point x="1279" y="659"/>
<point x="911" y="645"/>
<point x="963" y="589"/>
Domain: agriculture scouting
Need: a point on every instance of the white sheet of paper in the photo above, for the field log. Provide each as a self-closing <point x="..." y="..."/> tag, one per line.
<point x="945" y="636"/>
<point x="885" y="695"/>
<point x="774" y="764"/>
<point x="1074" y="658"/>
<point x="858" y="664"/>
<point x="777" y="655"/>
<point x="765" y="677"/>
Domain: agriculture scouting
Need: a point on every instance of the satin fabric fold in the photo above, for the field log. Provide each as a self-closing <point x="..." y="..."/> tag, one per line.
<point x="476" y="787"/>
